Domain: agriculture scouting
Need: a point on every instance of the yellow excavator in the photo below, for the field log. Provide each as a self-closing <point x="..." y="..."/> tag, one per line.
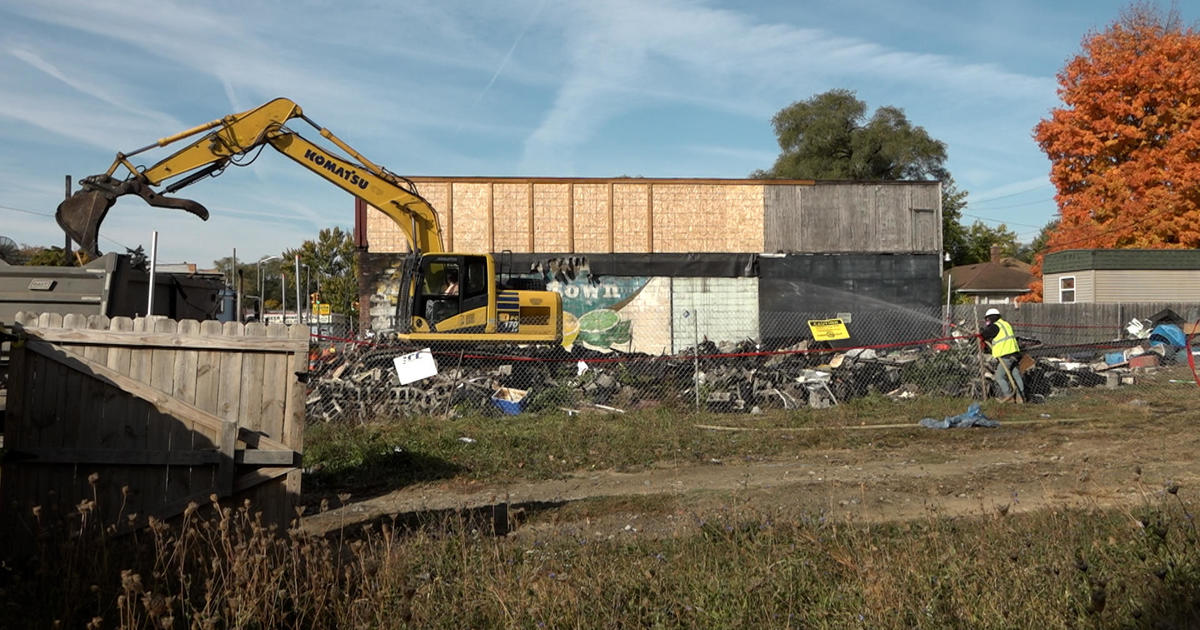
<point x="444" y="296"/>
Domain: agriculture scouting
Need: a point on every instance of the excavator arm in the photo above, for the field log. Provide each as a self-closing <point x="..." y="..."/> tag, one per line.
<point x="484" y="311"/>
<point x="224" y="141"/>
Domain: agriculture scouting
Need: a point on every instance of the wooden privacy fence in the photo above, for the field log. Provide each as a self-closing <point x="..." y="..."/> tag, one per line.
<point x="147" y="415"/>
<point x="1066" y="324"/>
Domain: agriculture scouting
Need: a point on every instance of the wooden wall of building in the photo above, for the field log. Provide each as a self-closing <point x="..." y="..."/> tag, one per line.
<point x="853" y="217"/>
<point x="594" y="216"/>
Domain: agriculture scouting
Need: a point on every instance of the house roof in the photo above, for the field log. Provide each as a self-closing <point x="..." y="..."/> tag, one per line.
<point x="1155" y="259"/>
<point x="1005" y="275"/>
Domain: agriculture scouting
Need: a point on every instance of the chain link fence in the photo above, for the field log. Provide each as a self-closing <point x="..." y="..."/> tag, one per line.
<point x="707" y="361"/>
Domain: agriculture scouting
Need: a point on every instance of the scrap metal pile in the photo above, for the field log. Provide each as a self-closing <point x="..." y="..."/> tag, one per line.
<point x="359" y="382"/>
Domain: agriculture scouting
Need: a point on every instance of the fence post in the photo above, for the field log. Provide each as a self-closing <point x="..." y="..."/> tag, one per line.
<point x="695" y="351"/>
<point x="985" y="387"/>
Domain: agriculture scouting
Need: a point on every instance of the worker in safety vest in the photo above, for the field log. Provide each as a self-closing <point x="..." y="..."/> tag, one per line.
<point x="1003" y="342"/>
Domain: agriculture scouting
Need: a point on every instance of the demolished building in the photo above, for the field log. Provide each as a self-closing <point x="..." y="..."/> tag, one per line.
<point x="658" y="265"/>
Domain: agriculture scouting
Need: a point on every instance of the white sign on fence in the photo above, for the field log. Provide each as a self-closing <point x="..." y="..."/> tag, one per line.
<point x="415" y="366"/>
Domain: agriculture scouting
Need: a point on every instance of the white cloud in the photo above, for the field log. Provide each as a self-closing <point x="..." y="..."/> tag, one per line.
<point x="87" y="88"/>
<point x="69" y="106"/>
<point x="626" y="54"/>
<point x="457" y="87"/>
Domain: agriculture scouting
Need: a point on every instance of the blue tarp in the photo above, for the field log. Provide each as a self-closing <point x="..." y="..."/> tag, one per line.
<point x="1168" y="334"/>
<point x="972" y="418"/>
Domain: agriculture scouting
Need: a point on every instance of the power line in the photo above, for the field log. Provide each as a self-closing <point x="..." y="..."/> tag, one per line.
<point x="1135" y="223"/>
<point x="43" y="214"/>
<point x="975" y="216"/>
<point x="1019" y="192"/>
<point x="1013" y="205"/>
<point x="47" y="214"/>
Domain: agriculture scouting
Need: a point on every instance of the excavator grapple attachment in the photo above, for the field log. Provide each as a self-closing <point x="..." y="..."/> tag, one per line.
<point x="81" y="214"/>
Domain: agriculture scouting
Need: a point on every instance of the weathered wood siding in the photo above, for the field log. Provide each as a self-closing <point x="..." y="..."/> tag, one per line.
<point x="1079" y="323"/>
<point x="853" y="217"/>
<point x="162" y="413"/>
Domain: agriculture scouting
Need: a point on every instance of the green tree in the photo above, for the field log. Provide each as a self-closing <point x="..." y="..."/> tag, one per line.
<point x="830" y="137"/>
<point x="52" y="256"/>
<point x="980" y="238"/>
<point x="333" y="263"/>
<point x="955" y="239"/>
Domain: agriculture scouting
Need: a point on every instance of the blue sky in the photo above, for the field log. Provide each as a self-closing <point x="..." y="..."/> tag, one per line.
<point x="594" y="88"/>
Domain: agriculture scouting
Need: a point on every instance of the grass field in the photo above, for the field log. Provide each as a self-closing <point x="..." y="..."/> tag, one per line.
<point x="739" y="562"/>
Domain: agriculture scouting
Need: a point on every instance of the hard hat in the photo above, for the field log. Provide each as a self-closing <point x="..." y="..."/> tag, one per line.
<point x="992" y="311"/>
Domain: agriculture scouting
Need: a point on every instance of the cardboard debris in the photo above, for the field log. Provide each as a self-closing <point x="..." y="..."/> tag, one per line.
<point x="510" y="401"/>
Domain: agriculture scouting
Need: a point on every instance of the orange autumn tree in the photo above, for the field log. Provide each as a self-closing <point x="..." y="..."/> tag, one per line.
<point x="1125" y="145"/>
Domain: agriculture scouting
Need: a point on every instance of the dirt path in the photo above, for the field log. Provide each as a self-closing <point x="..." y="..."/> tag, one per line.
<point x="1094" y="462"/>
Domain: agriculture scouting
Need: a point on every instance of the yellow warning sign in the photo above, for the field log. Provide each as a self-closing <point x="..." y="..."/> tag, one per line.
<point x="323" y="309"/>
<point x="828" y="329"/>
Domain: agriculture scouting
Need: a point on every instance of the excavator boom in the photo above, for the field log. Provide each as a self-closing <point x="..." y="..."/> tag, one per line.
<point x="228" y="138"/>
<point x="485" y="310"/>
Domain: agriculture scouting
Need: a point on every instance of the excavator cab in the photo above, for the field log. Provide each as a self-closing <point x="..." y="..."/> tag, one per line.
<point x="453" y="292"/>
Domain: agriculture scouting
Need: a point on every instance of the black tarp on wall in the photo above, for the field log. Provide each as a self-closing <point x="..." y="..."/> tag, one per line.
<point x="889" y="296"/>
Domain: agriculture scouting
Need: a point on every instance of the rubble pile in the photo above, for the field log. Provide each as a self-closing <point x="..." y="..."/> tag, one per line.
<point x="360" y="382"/>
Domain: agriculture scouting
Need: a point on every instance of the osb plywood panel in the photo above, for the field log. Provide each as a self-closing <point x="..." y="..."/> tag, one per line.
<point x="472" y="224"/>
<point x="511" y="216"/>
<point x="631" y="232"/>
<point x="384" y="236"/>
<point x="552" y="217"/>
<point x="592" y="218"/>
<point x="707" y="218"/>
<point x="438" y="196"/>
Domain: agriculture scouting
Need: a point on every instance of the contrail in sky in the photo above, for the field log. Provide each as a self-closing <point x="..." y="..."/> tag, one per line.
<point x="504" y="62"/>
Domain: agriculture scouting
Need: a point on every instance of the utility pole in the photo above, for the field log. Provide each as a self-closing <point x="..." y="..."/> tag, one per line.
<point x="153" y="268"/>
<point x="262" y="285"/>
<point x="235" y="279"/>
<point x="67" y="238"/>
<point x="297" y="288"/>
